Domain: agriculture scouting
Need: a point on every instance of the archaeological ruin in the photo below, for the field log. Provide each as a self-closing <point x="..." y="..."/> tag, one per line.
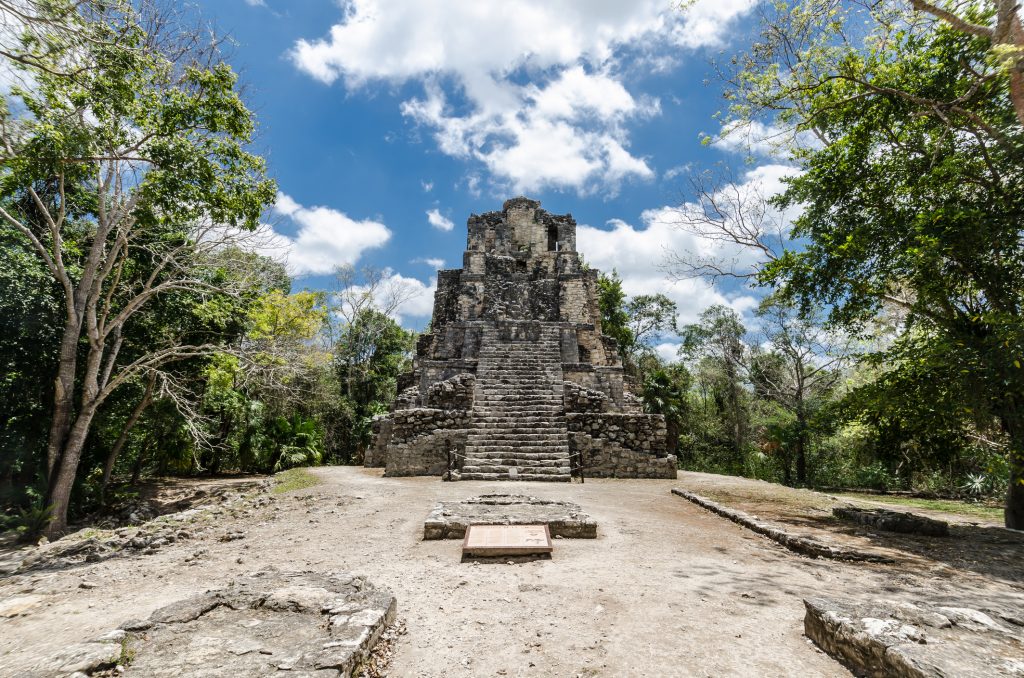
<point x="514" y="379"/>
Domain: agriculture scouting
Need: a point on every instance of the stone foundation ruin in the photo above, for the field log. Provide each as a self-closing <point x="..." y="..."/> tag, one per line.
<point x="514" y="379"/>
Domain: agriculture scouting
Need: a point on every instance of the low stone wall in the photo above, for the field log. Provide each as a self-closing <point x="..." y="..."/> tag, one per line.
<point x="421" y="439"/>
<point x="803" y="545"/>
<point x="607" y="459"/>
<point x="638" y="432"/>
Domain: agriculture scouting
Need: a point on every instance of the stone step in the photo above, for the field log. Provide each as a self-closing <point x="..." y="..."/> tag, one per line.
<point x="513" y="459"/>
<point x="517" y="426"/>
<point x="563" y="478"/>
<point x="501" y="468"/>
<point x="531" y="451"/>
<point x="495" y="434"/>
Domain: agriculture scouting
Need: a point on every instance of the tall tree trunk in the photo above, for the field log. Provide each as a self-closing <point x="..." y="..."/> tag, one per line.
<point x="1014" y="513"/>
<point x="108" y="467"/>
<point x="801" y="445"/>
<point x="63" y="477"/>
<point x="63" y="397"/>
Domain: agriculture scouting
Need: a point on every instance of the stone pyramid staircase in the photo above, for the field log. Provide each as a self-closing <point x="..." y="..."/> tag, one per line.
<point x="518" y="430"/>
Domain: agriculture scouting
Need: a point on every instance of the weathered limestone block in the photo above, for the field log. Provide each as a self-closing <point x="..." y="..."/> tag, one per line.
<point x="893" y="521"/>
<point x="915" y="640"/>
<point x="303" y="623"/>
<point x="451" y="519"/>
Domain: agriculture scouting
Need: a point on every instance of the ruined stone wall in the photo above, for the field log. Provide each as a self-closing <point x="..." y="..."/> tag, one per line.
<point x="420" y="439"/>
<point x="520" y="275"/>
<point x="605" y="459"/>
<point x="455" y="393"/>
<point x="639" y="432"/>
<point x="617" y="445"/>
<point x="607" y="380"/>
<point x="582" y="399"/>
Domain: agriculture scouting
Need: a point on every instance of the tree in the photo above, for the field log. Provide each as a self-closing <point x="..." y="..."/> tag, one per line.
<point x="799" y="372"/>
<point x="634" y="322"/>
<point x="665" y="392"/>
<point x="611" y="301"/>
<point x="649" y="316"/>
<point x="998" y="23"/>
<point x="716" y="343"/>
<point x="913" y="193"/>
<point x="127" y="176"/>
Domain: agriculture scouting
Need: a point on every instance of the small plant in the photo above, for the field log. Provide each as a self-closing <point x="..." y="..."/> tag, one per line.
<point x="31" y="521"/>
<point x="127" y="653"/>
<point x="977" y="485"/>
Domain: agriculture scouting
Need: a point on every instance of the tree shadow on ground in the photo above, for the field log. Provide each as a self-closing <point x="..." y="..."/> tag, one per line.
<point x="990" y="551"/>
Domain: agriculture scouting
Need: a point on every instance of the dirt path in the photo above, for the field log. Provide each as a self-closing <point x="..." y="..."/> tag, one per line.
<point x="667" y="589"/>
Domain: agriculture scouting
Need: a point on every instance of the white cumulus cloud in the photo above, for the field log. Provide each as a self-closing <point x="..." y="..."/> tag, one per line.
<point x="439" y="221"/>
<point x="415" y="298"/>
<point x="528" y="89"/>
<point x="429" y="261"/>
<point x="638" y="252"/>
<point x="325" y="238"/>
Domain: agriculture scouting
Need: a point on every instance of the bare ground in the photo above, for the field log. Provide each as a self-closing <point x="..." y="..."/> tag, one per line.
<point x="667" y="589"/>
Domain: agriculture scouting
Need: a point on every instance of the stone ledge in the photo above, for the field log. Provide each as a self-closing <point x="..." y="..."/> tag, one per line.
<point x="449" y="519"/>
<point x="893" y="521"/>
<point x="914" y="640"/>
<point x="805" y="546"/>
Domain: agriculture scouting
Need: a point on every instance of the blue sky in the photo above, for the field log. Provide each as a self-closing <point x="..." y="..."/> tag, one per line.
<point x="387" y="122"/>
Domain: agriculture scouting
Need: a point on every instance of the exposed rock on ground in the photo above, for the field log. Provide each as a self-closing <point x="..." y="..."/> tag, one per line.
<point x="306" y="623"/>
<point x="893" y="521"/>
<point x="803" y="545"/>
<point x="917" y="640"/>
<point x="449" y="519"/>
<point x="657" y="563"/>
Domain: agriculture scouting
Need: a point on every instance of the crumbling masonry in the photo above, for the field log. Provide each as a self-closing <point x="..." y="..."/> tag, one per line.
<point x="514" y="379"/>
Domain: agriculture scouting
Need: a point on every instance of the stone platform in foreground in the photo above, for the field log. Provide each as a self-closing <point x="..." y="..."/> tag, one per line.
<point x="917" y="640"/>
<point x="303" y="623"/>
<point x="449" y="519"/>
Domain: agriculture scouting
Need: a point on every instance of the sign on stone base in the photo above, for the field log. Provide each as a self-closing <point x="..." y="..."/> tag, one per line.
<point x="506" y="540"/>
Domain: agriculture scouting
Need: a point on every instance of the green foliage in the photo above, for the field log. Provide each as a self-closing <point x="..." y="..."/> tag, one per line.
<point x="911" y="199"/>
<point x="611" y="301"/>
<point x="28" y="522"/>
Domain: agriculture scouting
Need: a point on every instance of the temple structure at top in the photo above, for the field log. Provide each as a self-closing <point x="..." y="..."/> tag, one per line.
<point x="514" y="378"/>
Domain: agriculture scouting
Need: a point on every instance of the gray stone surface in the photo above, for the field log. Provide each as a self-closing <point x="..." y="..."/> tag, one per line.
<point x="893" y="521"/>
<point x="305" y="623"/>
<point x="805" y="546"/>
<point x="916" y="640"/>
<point x="515" y="349"/>
<point x="449" y="519"/>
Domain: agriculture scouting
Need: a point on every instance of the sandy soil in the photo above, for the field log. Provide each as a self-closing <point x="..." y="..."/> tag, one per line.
<point x="667" y="589"/>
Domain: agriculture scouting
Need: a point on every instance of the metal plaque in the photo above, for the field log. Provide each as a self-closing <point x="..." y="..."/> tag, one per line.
<point x="506" y="540"/>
